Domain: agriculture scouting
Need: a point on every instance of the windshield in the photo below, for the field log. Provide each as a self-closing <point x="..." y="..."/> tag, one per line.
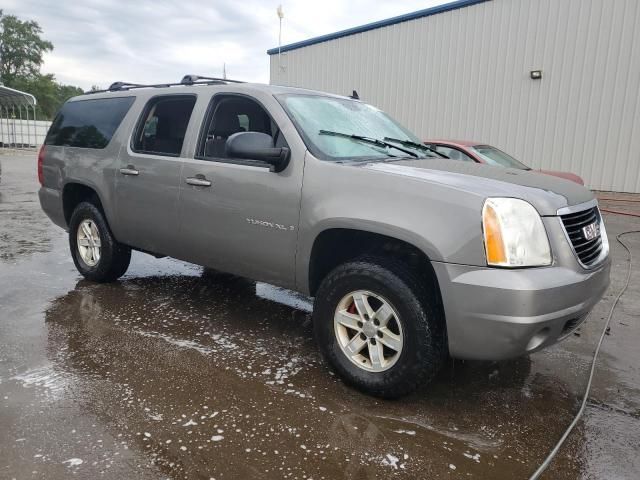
<point x="327" y="125"/>
<point x="498" y="158"/>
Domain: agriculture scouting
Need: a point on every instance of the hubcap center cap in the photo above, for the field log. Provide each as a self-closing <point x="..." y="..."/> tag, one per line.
<point x="369" y="329"/>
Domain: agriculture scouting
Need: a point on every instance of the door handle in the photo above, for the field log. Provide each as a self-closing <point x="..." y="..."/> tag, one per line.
<point x="129" y="170"/>
<point x="199" y="181"/>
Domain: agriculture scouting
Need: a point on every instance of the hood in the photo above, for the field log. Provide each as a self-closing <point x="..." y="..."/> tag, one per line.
<point x="545" y="192"/>
<point x="566" y="175"/>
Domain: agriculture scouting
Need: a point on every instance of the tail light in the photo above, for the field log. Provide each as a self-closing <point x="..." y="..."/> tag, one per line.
<point x="40" y="160"/>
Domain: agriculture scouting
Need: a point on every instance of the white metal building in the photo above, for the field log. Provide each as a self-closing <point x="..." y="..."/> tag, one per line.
<point x="463" y="71"/>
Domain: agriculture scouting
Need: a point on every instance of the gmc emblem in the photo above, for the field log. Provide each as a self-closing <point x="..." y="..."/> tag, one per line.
<point x="591" y="231"/>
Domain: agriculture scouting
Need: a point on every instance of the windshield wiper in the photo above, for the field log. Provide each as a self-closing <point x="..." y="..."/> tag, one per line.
<point x="369" y="140"/>
<point x="421" y="146"/>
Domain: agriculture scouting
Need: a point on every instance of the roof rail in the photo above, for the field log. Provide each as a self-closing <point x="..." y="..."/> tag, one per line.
<point x="186" y="81"/>
<point x="123" y="85"/>
<point x="117" y="86"/>
<point x="191" y="79"/>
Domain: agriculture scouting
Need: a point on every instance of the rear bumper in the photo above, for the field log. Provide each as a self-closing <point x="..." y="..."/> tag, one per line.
<point x="51" y="203"/>
<point x="493" y="314"/>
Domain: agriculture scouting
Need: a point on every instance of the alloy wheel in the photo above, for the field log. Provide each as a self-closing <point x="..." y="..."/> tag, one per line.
<point x="88" y="240"/>
<point x="368" y="330"/>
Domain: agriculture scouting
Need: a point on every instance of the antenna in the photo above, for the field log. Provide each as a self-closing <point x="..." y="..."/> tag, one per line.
<point x="355" y="95"/>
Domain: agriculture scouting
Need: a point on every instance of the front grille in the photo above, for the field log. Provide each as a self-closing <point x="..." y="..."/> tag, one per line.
<point x="588" y="251"/>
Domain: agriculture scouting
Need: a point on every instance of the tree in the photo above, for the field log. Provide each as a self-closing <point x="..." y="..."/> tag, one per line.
<point x="21" y="55"/>
<point x="21" y="48"/>
<point x="49" y="93"/>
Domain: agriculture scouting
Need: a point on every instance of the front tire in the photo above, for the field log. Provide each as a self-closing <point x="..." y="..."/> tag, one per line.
<point x="96" y="253"/>
<point x="380" y="326"/>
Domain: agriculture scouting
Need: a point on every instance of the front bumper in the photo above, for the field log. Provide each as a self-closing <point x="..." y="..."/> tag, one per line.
<point x="493" y="314"/>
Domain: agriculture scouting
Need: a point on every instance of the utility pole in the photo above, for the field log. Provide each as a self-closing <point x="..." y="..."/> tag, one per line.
<point x="280" y="16"/>
<point x="224" y="70"/>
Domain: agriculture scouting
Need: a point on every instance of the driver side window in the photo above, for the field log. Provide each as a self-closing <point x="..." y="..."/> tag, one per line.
<point x="229" y="114"/>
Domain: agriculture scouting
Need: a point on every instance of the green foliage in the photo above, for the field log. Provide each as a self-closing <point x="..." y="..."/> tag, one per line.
<point x="49" y="93"/>
<point x="21" y="48"/>
<point x="21" y="56"/>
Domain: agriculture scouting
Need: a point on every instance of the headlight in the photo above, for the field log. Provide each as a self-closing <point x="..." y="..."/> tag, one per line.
<point x="514" y="235"/>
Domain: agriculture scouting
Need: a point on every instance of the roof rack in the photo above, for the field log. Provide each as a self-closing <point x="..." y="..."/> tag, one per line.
<point x="192" y="79"/>
<point x="123" y="85"/>
<point x="186" y="80"/>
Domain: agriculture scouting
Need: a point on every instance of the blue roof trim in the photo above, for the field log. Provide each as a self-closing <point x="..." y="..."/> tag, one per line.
<point x="379" y="24"/>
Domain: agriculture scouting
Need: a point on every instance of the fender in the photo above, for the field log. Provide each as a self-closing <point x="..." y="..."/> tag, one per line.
<point x="308" y="238"/>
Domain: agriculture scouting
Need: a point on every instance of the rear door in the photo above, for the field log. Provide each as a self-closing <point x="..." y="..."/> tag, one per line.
<point x="148" y="178"/>
<point x="238" y="215"/>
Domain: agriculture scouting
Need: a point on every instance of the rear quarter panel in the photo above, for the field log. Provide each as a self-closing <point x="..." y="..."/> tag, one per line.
<point x="94" y="168"/>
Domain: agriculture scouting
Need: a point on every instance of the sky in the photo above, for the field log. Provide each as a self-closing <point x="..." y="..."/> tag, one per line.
<point x="97" y="42"/>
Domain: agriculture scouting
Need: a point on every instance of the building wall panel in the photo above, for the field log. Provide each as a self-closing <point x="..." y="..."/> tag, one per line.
<point x="465" y="74"/>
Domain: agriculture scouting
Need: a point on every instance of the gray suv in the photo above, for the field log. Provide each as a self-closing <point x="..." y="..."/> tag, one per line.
<point x="410" y="256"/>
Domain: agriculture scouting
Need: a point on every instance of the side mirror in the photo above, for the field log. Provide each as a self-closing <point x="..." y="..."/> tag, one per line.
<point x="257" y="146"/>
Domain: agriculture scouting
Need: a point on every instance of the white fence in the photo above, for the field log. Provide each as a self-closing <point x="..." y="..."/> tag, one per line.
<point x="17" y="133"/>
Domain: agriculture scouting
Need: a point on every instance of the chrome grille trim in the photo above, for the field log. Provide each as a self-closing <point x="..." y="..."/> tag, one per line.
<point x="589" y="253"/>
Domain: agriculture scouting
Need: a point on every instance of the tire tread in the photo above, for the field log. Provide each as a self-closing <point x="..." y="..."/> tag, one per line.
<point x="115" y="257"/>
<point x="423" y="301"/>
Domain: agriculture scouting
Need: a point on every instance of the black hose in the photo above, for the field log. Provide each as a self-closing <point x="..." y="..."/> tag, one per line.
<point x="547" y="461"/>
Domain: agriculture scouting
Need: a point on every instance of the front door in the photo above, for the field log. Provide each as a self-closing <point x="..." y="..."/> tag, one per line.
<point x="239" y="216"/>
<point x="148" y="177"/>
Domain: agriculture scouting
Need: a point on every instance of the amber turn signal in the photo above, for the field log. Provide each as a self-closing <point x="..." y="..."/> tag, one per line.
<point x="493" y="237"/>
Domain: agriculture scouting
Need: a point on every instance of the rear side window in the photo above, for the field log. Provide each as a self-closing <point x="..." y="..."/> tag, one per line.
<point x="88" y="123"/>
<point x="163" y="125"/>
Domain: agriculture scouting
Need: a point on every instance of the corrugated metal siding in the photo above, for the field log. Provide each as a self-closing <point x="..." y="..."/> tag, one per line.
<point x="465" y="74"/>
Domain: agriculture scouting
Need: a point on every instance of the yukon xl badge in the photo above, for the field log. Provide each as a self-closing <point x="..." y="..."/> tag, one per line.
<point x="591" y="231"/>
<point x="267" y="224"/>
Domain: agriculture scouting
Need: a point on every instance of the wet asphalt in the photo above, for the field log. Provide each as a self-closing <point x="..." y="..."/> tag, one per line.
<point x="175" y="373"/>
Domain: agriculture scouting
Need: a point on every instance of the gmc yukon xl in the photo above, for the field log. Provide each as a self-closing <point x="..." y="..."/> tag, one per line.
<point x="410" y="256"/>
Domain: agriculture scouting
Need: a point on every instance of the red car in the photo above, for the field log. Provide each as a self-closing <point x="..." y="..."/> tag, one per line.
<point x="481" y="153"/>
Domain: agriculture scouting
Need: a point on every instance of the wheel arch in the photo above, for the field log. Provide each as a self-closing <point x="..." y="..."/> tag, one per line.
<point x="74" y="192"/>
<point x="340" y="243"/>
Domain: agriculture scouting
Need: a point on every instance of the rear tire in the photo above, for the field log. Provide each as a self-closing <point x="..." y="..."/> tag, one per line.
<point x="96" y="253"/>
<point x="396" y="356"/>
